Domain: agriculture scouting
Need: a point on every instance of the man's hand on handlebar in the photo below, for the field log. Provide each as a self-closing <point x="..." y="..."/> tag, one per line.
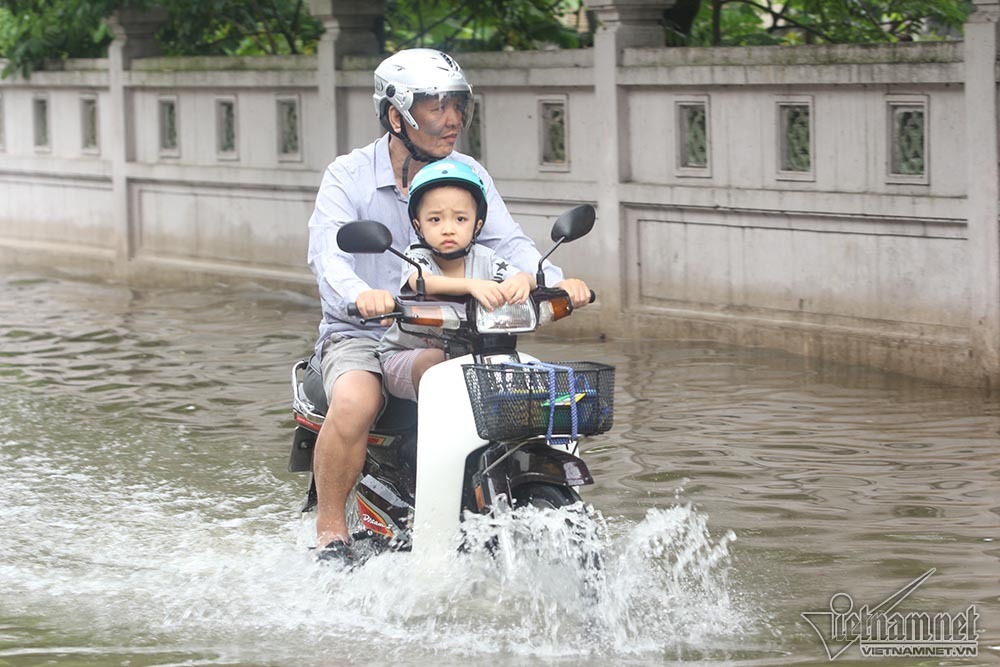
<point x="577" y="290"/>
<point x="374" y="302"/>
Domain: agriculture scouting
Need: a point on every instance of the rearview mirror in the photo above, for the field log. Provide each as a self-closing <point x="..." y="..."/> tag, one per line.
<point x="571" y="225"/>
<point x="364" y="236"/>
<point x="574" y="223"/>
<point x="371" y="237"/>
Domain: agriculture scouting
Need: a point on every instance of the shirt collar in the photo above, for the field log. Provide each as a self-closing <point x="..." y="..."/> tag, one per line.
<point x="384" y="176"/>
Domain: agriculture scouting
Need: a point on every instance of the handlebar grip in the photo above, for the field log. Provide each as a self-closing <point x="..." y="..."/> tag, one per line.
<point x="352" y="310"/>
<point x="593" y="296"/>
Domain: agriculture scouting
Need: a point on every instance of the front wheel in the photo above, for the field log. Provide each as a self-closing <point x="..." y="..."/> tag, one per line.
<point x="581" y="535"/>
<point x="544" y="496"/>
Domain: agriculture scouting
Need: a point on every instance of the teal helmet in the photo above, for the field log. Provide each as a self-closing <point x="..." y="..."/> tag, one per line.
<point x="439" y="174"/>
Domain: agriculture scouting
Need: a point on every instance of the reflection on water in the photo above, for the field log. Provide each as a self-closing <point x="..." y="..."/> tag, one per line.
<point x="146" y="517"/>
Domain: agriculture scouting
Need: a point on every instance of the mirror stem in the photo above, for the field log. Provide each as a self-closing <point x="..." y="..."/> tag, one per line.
<point x="421" y="288"/>
<point x="540" y="276"/>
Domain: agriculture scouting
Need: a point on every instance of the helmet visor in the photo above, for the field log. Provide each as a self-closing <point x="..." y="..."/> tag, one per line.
<point x="440" y="113"/>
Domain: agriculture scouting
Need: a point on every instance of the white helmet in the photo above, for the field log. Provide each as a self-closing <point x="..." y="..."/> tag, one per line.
<point x="405" y="76"/>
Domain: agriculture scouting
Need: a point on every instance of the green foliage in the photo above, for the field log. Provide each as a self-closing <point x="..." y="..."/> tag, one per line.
<point x="756" y="22"/>
<point x="239" y="27"/>
<point x="482" y="25"/>
<point x="32" y="31"/>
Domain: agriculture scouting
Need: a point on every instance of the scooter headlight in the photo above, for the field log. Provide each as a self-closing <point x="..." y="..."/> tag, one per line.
<point x="507" y="319"/>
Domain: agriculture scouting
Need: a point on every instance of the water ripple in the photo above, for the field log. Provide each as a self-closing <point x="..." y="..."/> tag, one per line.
<point x="147" y="517"/>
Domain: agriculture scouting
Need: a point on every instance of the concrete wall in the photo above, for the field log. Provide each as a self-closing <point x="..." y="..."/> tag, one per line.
<point x="843" y="261"/>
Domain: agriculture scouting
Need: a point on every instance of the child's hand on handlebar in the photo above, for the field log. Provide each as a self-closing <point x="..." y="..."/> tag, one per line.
<point x="487" y="293"/>
<point x="517" y="288"/>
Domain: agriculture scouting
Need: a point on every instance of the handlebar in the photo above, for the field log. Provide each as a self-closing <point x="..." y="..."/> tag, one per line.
<point x="352" y="309"/>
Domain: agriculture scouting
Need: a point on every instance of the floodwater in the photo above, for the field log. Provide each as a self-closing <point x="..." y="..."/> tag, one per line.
<point x="146" y="517"/>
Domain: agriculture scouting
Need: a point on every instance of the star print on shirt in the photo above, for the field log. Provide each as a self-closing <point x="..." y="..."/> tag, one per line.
<point x="499" y="270"/>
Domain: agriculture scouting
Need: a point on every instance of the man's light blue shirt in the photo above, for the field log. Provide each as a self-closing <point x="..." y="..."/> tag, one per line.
<point x="362" y="186"/>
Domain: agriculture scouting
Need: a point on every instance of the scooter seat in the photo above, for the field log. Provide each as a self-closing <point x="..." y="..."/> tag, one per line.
<point x="399" y="415"/>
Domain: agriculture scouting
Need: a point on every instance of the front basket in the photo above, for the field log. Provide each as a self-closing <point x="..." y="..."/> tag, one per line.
<point x="515" y="401"/>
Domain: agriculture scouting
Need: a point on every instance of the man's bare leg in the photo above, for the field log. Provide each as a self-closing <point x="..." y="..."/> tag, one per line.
<point x="355" y="401"/>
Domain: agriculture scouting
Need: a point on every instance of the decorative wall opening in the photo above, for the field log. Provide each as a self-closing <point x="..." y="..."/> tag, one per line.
<point x="693" y="142"/>
<point x="553" y="131"/>
<point x="225" y="128"/>
<point x="908" y="154"/>
<point x="289" y="129"/>
<point x="89" y="140"/>
<point x="169" y="131"/>
<point x="40" y="117"/>
<point x="471" y="139"/>
<point x="795" y="140"/>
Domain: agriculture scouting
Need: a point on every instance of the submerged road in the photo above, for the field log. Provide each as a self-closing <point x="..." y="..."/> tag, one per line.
<point x="146" y="517"/>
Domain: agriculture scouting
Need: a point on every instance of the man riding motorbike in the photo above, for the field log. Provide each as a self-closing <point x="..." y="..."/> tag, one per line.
<point x="423" y="101"/>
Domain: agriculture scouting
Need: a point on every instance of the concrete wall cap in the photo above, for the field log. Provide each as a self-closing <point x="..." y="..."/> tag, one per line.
<point x="225" y="63"/>
<point x="935" y="52"/>
<point x="495" y="60"/>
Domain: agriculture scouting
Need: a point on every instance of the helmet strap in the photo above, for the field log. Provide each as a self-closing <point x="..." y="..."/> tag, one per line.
<point x="414" y="152"/>
<point x="454" y="254"/>
<point x="406" y="170"/>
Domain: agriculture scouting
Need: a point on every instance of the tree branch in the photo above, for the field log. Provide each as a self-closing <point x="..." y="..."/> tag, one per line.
<point x="264" y="24"/>
<point x="433" y="25"/>
<point x="459" y="29"/>
<point x="717" y="21"/>
<point x="289" y="27"/>
<point x="874" y="20"/>
<point x="793" y="22"/>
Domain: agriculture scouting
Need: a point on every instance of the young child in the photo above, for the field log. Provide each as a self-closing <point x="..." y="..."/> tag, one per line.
<point x="448" y="208"/>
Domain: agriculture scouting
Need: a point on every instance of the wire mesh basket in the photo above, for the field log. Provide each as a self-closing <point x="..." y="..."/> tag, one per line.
<point x="515" y="401"/>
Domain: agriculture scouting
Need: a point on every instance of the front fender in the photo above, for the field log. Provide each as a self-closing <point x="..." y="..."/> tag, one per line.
<point x="541" y="463"/>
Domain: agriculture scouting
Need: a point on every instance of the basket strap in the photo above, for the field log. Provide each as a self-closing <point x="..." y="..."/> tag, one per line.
<point x="571" y="385"/>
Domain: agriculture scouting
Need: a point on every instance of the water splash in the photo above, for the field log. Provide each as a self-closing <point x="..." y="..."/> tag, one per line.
<point x="120" y="556"/>
<point x="562" y="583"/>
<point x="208" y="576"/>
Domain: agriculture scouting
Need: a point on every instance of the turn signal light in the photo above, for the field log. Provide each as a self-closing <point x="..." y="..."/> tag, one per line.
<point x="561" y="307"/>
<point x="432" y="315"/>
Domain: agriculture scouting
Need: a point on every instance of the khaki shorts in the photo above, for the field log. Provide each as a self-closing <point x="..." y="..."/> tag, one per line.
<point x="342" y="354"/>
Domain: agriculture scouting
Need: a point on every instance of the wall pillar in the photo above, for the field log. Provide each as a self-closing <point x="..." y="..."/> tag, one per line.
<point x="981" y="47"/>
<point x="351" y="29"/>
<point x="621" y="24"/>
<point x="135" y="37"/>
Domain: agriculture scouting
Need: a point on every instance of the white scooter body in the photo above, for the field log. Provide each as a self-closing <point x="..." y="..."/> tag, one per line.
<point x="446" y="435"/>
